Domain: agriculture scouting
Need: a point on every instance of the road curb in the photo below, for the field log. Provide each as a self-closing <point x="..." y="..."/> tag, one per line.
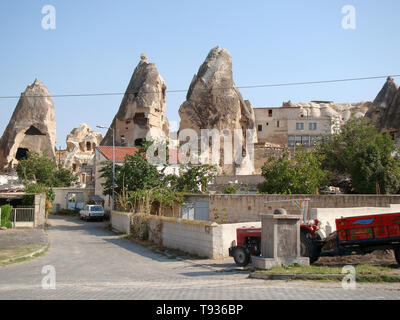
<point x="197" y="264"/>
<point x="310" y="276"/>
<point x="30" y="255"/>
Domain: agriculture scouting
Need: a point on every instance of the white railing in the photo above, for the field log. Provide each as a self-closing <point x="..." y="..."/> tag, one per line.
<point x="22" y="217"/>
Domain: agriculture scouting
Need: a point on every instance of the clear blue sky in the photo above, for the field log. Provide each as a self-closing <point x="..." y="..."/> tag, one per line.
<point x="97" y="44"/>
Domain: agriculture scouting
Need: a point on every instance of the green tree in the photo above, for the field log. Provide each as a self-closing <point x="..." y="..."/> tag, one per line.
<point x="364" y="155"/>
<point x="43" y="170"/>
<point x="38" y="168"/>
<point x="300" y="175"/>
<point x="63" y="178"/>
<point x="135" y="174"/>
<point x="194" y="178"/>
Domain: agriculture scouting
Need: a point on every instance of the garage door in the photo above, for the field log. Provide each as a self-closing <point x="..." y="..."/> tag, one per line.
<point x="201" y="210"/>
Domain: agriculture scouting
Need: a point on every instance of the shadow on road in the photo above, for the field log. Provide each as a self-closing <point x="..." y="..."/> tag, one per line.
<point x="98" y="229"/>
<point x="103" y="236"/>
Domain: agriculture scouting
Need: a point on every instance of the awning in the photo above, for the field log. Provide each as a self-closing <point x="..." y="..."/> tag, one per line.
<point x="95" y="198"/>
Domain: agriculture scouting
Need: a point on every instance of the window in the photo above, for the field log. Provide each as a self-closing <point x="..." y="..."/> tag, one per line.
<point x="291" y="141"/>
<point x="312" y="126"/>
<point x="260" y="127"/>
<point x="269" y="113"/>
<point x="123" y="140"/>
<point x="278" y="124"/>
<point x="305" y="140"/>
<point x="299" y="126"/>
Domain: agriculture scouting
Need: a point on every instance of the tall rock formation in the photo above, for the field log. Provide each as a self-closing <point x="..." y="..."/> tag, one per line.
<point x="385" y="109"/>
<point x="390" y="119"/>
<point x="214" y="102"/>
<point x="142" y="108"/>
<point x="32" y="126"/>
<point x="378" y="108"/>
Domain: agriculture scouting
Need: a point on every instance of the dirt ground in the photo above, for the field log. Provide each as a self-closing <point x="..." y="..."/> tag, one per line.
<point x="376" y="257"/>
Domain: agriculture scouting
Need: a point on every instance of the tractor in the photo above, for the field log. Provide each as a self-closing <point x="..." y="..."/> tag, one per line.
<point x="248" y="243"/>
<point x="354" y="235"/>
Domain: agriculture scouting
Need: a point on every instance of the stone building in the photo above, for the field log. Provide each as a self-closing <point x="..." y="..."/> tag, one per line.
<point x="79" y="155"/>
<point x="304" y="123"/>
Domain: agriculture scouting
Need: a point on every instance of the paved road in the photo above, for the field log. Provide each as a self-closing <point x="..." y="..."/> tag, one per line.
<point x="93" y="263"/>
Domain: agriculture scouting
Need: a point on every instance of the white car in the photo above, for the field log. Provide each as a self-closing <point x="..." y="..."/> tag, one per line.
<point x="92" y="211"/>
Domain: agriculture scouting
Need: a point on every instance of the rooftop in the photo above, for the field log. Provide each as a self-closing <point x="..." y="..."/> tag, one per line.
<point x="120" y="152"/>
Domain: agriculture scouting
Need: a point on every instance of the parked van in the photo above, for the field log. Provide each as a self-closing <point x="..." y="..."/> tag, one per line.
<point x="92" y="211"/>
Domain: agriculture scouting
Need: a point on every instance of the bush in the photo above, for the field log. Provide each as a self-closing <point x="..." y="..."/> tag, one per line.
<point x="5" y="216"/>
<point x="231" y="189"/>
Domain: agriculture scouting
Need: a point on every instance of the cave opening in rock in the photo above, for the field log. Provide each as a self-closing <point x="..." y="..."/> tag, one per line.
<point x="22" y="153"/>
<point x="33" y="131"/>
<point x="139" y="142"/>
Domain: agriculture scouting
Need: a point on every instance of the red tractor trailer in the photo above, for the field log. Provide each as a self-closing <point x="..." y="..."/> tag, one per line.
<point x="353" y="235"/>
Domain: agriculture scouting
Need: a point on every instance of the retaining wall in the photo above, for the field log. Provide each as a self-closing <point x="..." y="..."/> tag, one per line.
<point x="121" y="221"/>
<point x="243" y="208"/>
<point x="202" y="238"/>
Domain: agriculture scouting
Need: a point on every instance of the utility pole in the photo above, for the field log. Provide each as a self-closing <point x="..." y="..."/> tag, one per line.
<point x="113" y="165"/>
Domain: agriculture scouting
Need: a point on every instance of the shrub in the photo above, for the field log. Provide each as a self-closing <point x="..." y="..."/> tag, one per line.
<point x="5" y="216"/>
<point x="231" y="189"/>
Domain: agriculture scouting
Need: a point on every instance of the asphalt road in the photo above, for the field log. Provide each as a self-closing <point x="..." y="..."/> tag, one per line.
<point x="91" y="262"/>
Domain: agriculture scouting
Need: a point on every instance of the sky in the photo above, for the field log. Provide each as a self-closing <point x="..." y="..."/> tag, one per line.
<point x="96" y="44"/>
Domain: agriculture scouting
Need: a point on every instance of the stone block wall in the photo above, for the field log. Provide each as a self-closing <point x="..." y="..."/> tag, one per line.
<point x="201" y="238"/>
<point x="243" y="208"/>
<point x="121" y="221"/>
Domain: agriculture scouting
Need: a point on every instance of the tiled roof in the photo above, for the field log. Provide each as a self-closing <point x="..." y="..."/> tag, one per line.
<point x="120" y="152"/>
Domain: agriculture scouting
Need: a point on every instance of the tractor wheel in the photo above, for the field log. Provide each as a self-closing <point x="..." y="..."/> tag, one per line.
<point x="308" y="247"/>
<point x="397" y="254"/>
<point x="241" y="256"/>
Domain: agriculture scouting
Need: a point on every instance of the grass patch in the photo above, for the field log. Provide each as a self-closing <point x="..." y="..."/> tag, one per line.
<point x="364" y="272"/>
<point x="361" y="269"/>
<point x="21" y="251"/>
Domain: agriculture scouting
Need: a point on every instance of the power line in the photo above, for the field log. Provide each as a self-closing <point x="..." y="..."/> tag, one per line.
<point x="184" y="90"/>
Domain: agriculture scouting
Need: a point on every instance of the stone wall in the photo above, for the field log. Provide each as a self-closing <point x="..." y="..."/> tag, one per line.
<point x="243" y="208"/>
<point x="121" y="221"/>
<point x="61" y="196"/>
<point x="202" y="238"/>
<point x="245" y="183"/>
